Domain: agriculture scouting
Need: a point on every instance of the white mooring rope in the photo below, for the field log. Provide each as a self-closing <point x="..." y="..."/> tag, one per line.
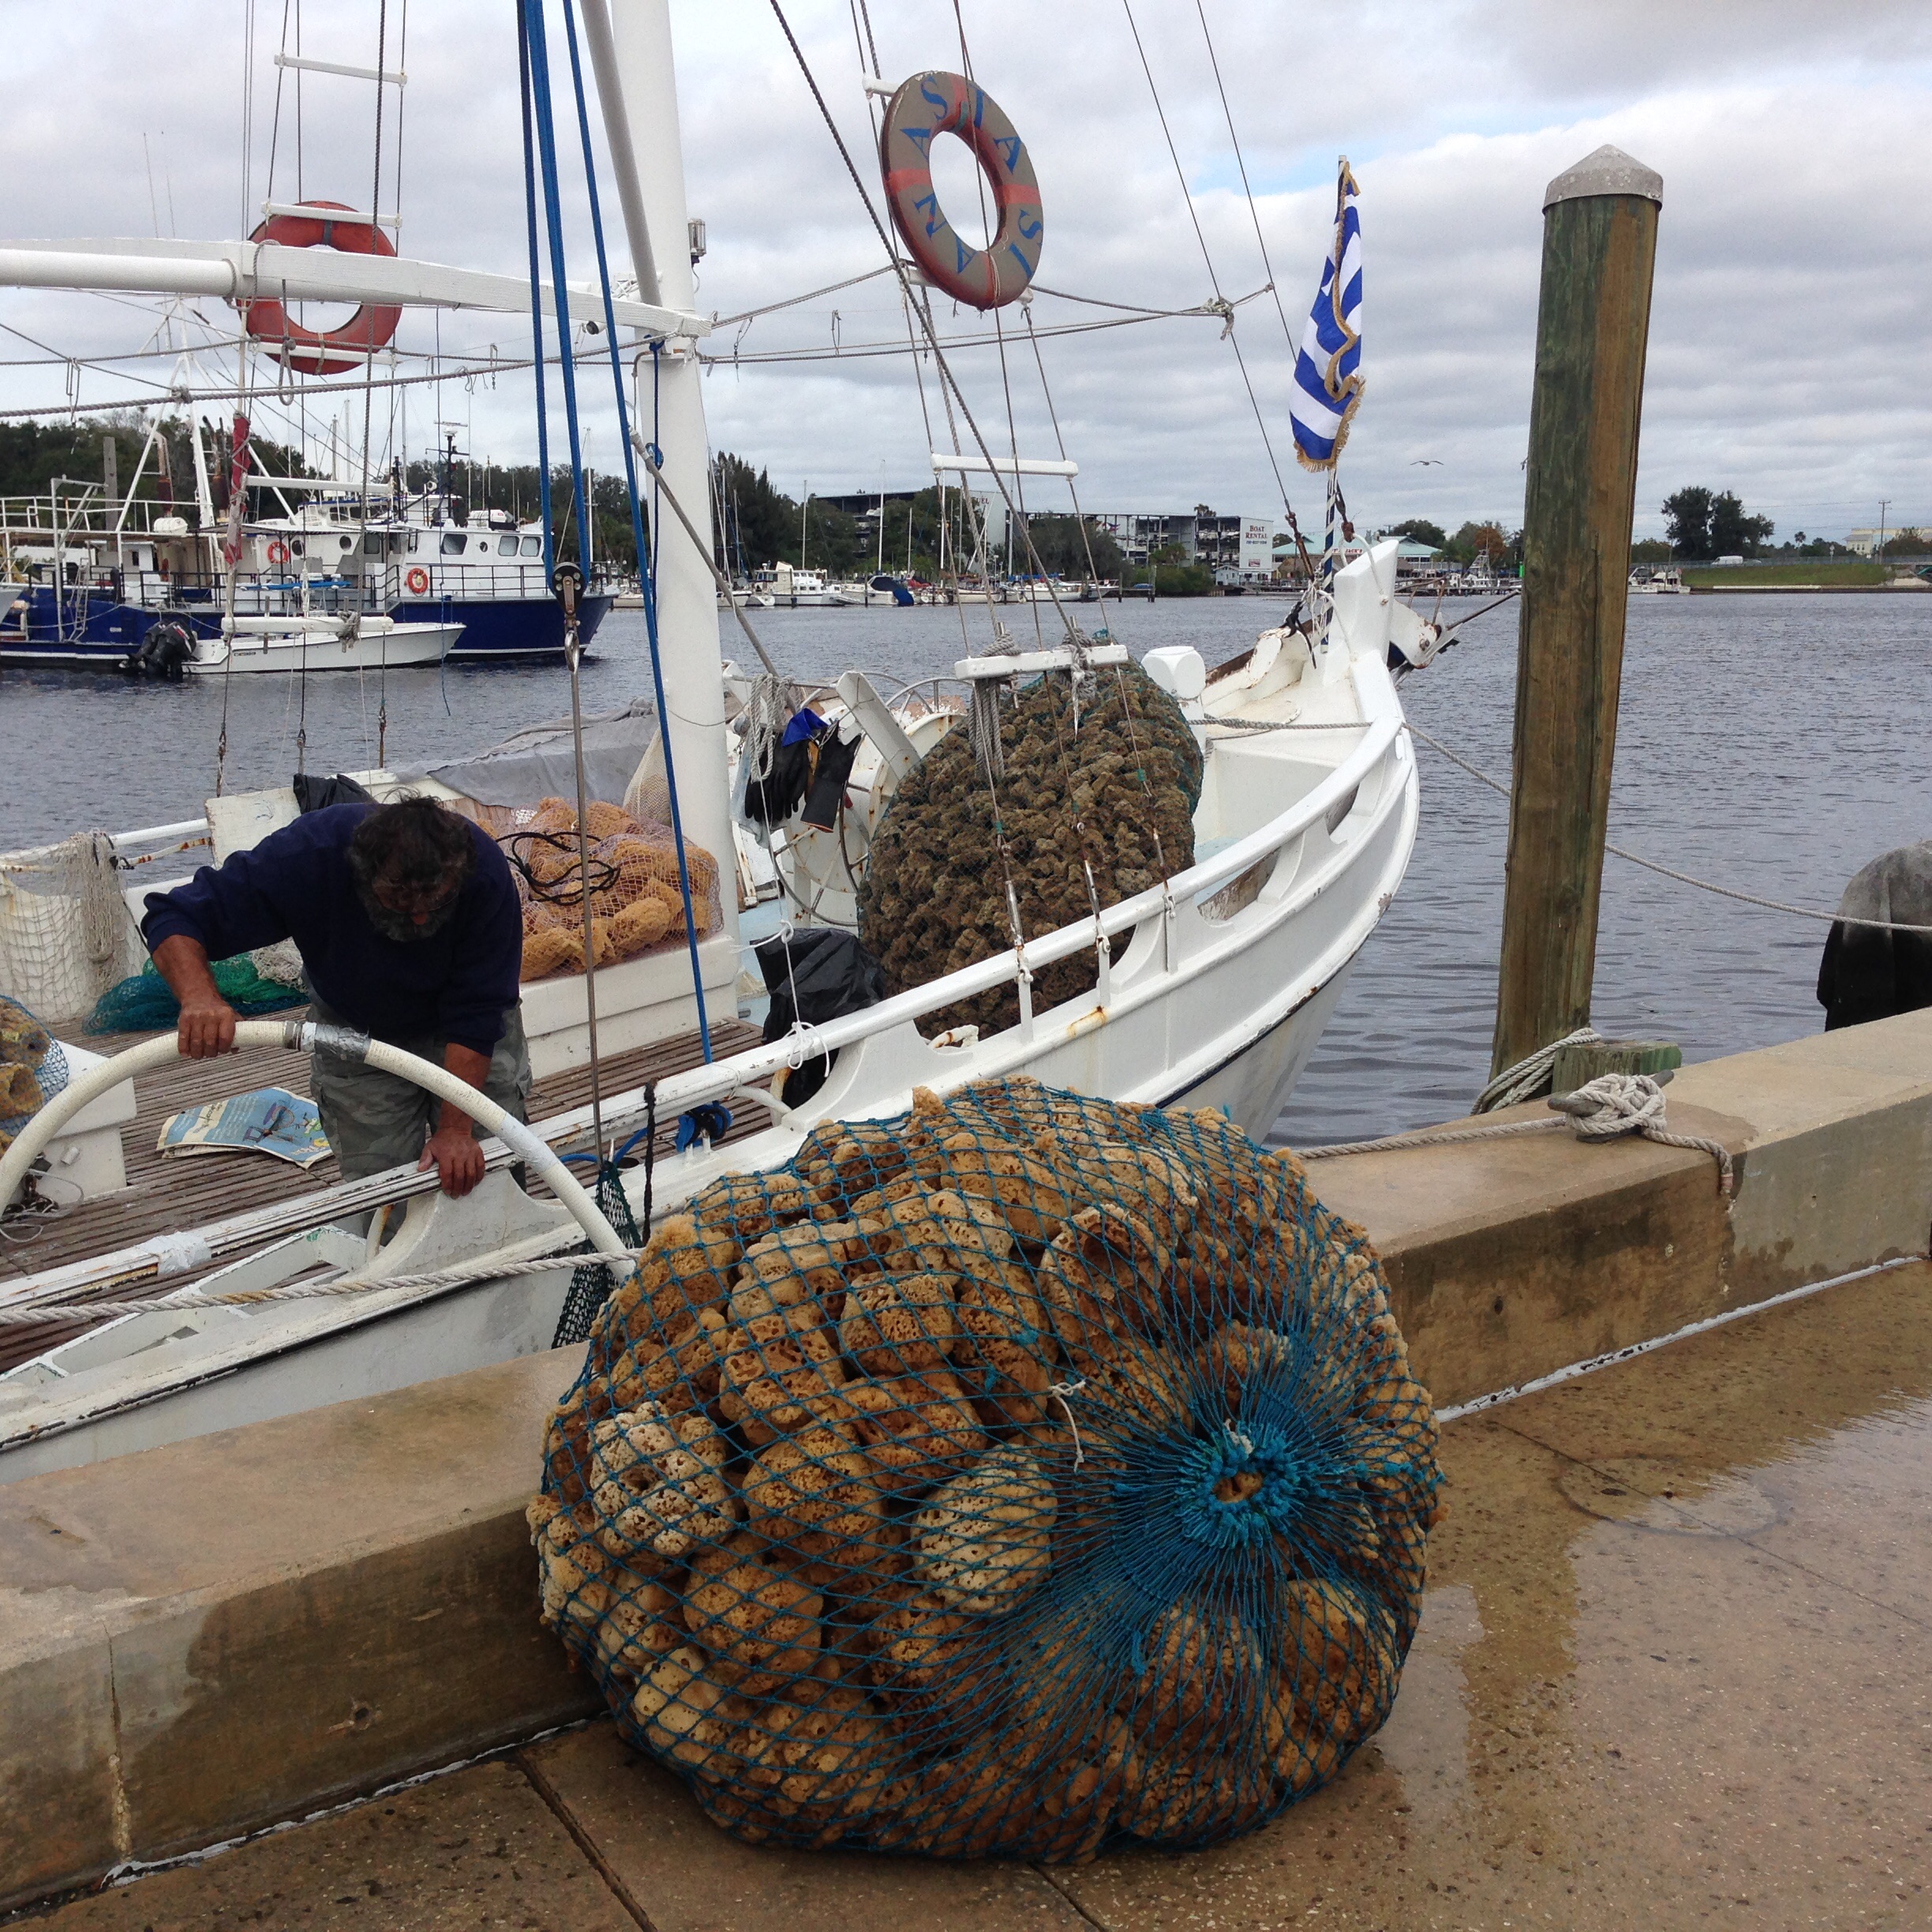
<point x="196" y="1297"/>
<point x="1604" y="1108"/>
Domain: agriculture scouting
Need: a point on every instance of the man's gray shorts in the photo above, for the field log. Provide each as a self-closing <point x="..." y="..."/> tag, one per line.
<point x="375" y="1121"/>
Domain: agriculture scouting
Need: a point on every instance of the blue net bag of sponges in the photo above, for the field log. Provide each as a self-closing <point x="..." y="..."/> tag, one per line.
<point x="1018" y="1475"/>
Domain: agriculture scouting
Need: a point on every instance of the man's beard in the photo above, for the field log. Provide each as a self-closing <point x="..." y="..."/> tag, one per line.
<point x="399" y="925"/>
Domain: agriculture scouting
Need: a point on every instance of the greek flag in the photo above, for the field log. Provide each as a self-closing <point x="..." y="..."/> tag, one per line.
<point x="1327" y="378"/>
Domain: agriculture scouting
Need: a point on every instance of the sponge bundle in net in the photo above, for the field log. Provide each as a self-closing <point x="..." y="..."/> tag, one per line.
<point x="1018" y="1475"/>
<point x="1106" y="775"/>
<point x="32" y="1068"/>
<point x="636" y="901"/>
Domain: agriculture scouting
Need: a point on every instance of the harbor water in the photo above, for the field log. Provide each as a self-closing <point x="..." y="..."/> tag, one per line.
<point x="1772" y="744"/>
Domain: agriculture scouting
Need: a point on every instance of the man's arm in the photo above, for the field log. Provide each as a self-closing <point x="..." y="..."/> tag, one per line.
<point x="208" y="1021"/>
<point x="452" y="1150"/>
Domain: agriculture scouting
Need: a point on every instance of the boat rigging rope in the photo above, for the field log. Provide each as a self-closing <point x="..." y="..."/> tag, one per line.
<point x="1254" y="214"/>
<point x="567" y="582"/>
<point x="1604" y="1108"/>
<point x="1669" y="872"/>
<point x="704" y="550"/>
<point x="368" y="403"/>
<point x="1226" y="308"/>
<point x="900" y="268"/>
<point x="647" y="549"/>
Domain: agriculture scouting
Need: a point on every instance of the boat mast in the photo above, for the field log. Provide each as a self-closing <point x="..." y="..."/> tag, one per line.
<point x="638" y="92"/>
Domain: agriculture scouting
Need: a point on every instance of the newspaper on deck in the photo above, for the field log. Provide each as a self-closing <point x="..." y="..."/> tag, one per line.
<point x="269" y="1120"/>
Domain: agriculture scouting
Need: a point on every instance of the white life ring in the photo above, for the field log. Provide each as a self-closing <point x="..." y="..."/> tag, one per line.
<point x="416" y="581"/>
<point x="278" y="551"/>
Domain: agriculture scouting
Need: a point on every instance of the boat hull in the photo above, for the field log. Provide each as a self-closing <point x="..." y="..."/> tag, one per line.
<point x="496" y="628"/>
<point x="407" y="648"/>
<point x="336" y="1353"/>
<point x="101" y="635"/>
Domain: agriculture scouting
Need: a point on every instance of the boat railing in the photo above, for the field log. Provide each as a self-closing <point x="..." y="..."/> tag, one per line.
<point x="451" y="580"/>
<point x="1173" y="914"/>
<point x="80" y="511"/>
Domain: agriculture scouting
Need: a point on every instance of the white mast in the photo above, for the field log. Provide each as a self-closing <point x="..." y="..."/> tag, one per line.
<point x="631" y="53"/>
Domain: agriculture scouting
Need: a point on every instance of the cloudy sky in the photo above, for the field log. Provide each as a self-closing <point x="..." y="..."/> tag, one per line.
<point x="1788" y="355"/>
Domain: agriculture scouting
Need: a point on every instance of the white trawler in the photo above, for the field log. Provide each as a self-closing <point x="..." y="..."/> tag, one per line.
<point x="1212" y="986"/>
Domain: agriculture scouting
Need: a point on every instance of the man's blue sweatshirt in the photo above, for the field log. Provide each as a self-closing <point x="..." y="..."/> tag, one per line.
<point x="456" y="984"/>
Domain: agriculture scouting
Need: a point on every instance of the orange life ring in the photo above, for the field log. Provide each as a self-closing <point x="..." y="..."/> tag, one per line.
<point x="416" y="580"/>
<point x="310" y="352"/>
<point x="925" y="108"/>
<point x="278" y="551"/>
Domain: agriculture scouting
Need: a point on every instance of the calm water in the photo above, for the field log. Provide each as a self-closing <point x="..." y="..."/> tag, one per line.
<point x="1773" y="744"/>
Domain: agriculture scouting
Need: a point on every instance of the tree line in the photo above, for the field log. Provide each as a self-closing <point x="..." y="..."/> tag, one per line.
<point x="757" y="525"/>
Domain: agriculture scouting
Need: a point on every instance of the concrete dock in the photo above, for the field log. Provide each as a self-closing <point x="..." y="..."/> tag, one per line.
<point x="1673" y="1669"/>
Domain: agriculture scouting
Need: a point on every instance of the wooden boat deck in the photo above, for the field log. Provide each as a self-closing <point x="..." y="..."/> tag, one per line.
<point x="164" y="1196"/>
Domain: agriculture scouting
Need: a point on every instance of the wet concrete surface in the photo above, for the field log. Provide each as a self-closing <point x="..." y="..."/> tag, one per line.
<point x="478" y="1851"/>
<point x="1673" y="1671"/>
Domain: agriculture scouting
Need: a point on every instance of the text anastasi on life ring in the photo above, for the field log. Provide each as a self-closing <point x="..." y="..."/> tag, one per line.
<point x="328" y="352"/>
<point x="925" y="108"/>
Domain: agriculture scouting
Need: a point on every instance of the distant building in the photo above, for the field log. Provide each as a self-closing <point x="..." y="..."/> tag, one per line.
<point x="1865" y="542"/>
<point x="1238" y="548"/>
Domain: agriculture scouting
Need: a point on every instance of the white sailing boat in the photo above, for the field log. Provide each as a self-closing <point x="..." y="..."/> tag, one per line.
<point x="1212" y="984"/>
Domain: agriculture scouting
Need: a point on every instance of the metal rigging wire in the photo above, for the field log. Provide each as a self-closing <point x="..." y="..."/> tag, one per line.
<point x="1254" y="214"/>
<point x="1234" y="341"/>
<point x="899" y="268"/>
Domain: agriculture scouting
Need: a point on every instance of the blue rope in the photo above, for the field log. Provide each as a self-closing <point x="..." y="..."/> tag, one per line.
<point x="539" y="56"/>
<point x="537" y="327"/>
<point x="647" y="575"/>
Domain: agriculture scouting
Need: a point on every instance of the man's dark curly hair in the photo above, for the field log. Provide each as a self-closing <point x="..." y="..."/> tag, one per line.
<point x="415" y="846"/>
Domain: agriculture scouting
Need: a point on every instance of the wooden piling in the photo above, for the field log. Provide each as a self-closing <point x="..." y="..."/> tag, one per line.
<point x="1592" y="322"/>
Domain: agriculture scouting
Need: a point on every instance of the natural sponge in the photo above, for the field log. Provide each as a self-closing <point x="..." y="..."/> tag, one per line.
<point x="985" y="1539"/>
<point x="1101" y="775"/>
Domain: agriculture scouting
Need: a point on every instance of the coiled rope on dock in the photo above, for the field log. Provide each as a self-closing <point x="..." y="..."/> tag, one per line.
<point x="1605" y="1108"/>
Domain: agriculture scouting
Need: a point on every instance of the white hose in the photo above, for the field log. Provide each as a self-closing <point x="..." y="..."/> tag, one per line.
<point x="304" y="1036"/>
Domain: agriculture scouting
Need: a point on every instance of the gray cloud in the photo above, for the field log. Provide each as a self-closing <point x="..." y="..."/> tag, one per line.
<point x="1788" y="357"/>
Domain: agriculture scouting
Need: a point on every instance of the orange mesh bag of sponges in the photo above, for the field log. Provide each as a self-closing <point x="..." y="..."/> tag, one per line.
<point x="636" y="901"/>
<point x="1019" y="1476"/>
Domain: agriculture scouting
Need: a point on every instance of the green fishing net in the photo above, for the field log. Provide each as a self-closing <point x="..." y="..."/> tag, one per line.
<point x="146" y="1003"/>
<point x="1018" y="1476"/>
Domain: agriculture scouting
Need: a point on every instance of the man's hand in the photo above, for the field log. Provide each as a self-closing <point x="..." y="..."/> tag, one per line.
<point x="208" y="1021"/>
<point x="453" y="1148"/>
<point x="454" y="1152"/>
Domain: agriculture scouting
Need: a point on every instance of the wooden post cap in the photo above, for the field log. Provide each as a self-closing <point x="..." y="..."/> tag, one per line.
<point x="1608" y="171"/>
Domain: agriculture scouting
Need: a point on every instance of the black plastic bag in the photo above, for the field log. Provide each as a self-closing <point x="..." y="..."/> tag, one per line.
<point x="314" y="793"/>
<point x="818" y="975"/>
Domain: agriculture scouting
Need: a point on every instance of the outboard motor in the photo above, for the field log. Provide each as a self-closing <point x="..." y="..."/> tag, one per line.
<point x="162" y="652"/>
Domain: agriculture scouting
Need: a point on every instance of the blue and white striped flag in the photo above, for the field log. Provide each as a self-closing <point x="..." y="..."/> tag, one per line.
<point x="1327" y="377"/>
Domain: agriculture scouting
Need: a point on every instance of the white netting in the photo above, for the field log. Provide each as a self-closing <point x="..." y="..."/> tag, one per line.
<point x="66" y="933"/>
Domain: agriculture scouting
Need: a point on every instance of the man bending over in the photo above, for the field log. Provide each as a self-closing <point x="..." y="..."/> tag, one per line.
<point x="407" y="921"/>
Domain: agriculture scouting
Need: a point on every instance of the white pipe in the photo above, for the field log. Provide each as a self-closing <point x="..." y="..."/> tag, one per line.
<point x="239" y="272"/>
<point x="151" y="274"/>
<point x="303" y="1036"/>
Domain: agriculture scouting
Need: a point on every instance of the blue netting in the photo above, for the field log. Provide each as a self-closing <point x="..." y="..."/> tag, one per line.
<point x="32" y="1068"/>
<point x="1018" y="1475"/>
